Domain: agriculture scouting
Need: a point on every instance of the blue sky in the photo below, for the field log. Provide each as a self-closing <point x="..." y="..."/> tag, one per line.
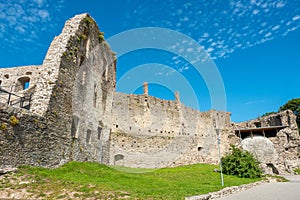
<point x="255" y="44"/>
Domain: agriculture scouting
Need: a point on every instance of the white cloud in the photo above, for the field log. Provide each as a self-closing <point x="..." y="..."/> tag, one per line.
<point x="189" y="50"/>
<point x="20" y="29"/>
<point x="43" y="14"/>
<point x="40" y="2"/>
<point x="296" y="18"/>
<point x="26" y="18"/>
<point x="237" y="24"/>
<point x="268" y="34"/>
<point x="256" y="11"/>
<point x="280" y="4"/>
<point x="275" y="27"/>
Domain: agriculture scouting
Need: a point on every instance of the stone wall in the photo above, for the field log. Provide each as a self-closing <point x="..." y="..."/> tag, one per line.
<point x="149" y="132"/>
<point x="20" y="81"/>
<point x="11" y="79"/>
<point x="30" y="139"/>
<point x="278" y="152"/>
<point x="71" y="102"/>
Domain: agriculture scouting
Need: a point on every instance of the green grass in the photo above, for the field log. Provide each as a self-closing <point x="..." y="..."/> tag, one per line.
<point x="297" y="171"/>
<point x="96" y="180"/>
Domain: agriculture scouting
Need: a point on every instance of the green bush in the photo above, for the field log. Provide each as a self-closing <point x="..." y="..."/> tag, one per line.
<point x="241" y="163"/>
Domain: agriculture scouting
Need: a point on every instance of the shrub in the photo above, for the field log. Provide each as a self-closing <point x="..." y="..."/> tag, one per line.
<point x="241" y="163"/>
<point x="3" y="127"/>
<point x="14" y="121"/>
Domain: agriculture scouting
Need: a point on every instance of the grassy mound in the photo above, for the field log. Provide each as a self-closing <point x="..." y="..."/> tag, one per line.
<point x="84" y="180"/>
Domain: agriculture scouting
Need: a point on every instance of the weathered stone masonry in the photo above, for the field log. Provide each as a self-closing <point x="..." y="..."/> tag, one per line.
<point x="72" y="97"/>
<point x="72" y="112"/>
<point x="150" y="132"/>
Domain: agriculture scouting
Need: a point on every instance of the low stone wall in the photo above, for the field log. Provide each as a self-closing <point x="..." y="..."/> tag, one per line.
<point x="227" y="191"/>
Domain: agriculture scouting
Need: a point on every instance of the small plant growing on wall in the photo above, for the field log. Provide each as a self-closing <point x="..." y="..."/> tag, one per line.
<point x="14" y="120"/>
<point x="101" y="37"/>
<point x="88" y="20"/>
<point x="3" y="127"/>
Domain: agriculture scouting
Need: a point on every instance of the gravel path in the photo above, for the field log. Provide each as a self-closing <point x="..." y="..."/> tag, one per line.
<point x="271" y="191"/>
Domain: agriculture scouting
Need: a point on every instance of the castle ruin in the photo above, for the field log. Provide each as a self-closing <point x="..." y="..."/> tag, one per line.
<point x="67" y="109"/>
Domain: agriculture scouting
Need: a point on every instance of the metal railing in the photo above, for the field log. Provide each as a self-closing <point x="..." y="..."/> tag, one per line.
<point x="9" y="98"/>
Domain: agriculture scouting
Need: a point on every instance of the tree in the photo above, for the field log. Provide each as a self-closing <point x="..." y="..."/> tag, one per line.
<point x="293" y="105"/>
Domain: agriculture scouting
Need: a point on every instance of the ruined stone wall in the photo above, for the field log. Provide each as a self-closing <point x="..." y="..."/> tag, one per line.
<point x="11" y="78"/>
<point x="18" y="80"/>
<point x="72" y="100"/>
<point x="279" y="151"/>
<point x="30" y="139"/>
<point x="150" y="132"/>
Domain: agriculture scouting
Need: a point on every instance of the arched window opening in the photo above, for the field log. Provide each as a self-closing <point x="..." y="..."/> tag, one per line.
<point x="22" y="84"/>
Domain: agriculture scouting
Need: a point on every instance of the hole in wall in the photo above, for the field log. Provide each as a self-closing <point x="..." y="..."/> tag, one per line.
<point x="274" y="169"/>
<point x="22" y="84"/>
<point x="99" y="132"/>
<point x="88" y="136"/>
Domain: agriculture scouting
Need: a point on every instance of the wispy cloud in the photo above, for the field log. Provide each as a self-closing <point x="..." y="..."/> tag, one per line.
<point x="223" y="27"/>
<point x="254" y="102"/>
<point x="24" y="20"/>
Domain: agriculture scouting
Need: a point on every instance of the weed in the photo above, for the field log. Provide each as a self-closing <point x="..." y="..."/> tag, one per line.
<point x="14" y="120"/>
<point x="83" y="37"/>
<point x="88" y="20"/>
<point x="101" y="38"/>
<point x="3" y="127"/>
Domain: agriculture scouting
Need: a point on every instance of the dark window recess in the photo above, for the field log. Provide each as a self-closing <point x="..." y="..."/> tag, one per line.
<point x="99" y="132"/>
<point x="118" y="157"/>
<point x="95" y="99"/>
<point x="257" y="124"/>
<point x="200" y="148"/>
<point x="88" y="136"/>
<point x="95" y="95"/>
<point x="74" y="127"/>
<point x="117" y="125"/>
<point x="274" y="170"/>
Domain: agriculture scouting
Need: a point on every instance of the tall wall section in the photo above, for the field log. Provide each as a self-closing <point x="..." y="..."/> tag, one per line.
<point x="69" y="117"/>
<point x="149" y="132"/>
